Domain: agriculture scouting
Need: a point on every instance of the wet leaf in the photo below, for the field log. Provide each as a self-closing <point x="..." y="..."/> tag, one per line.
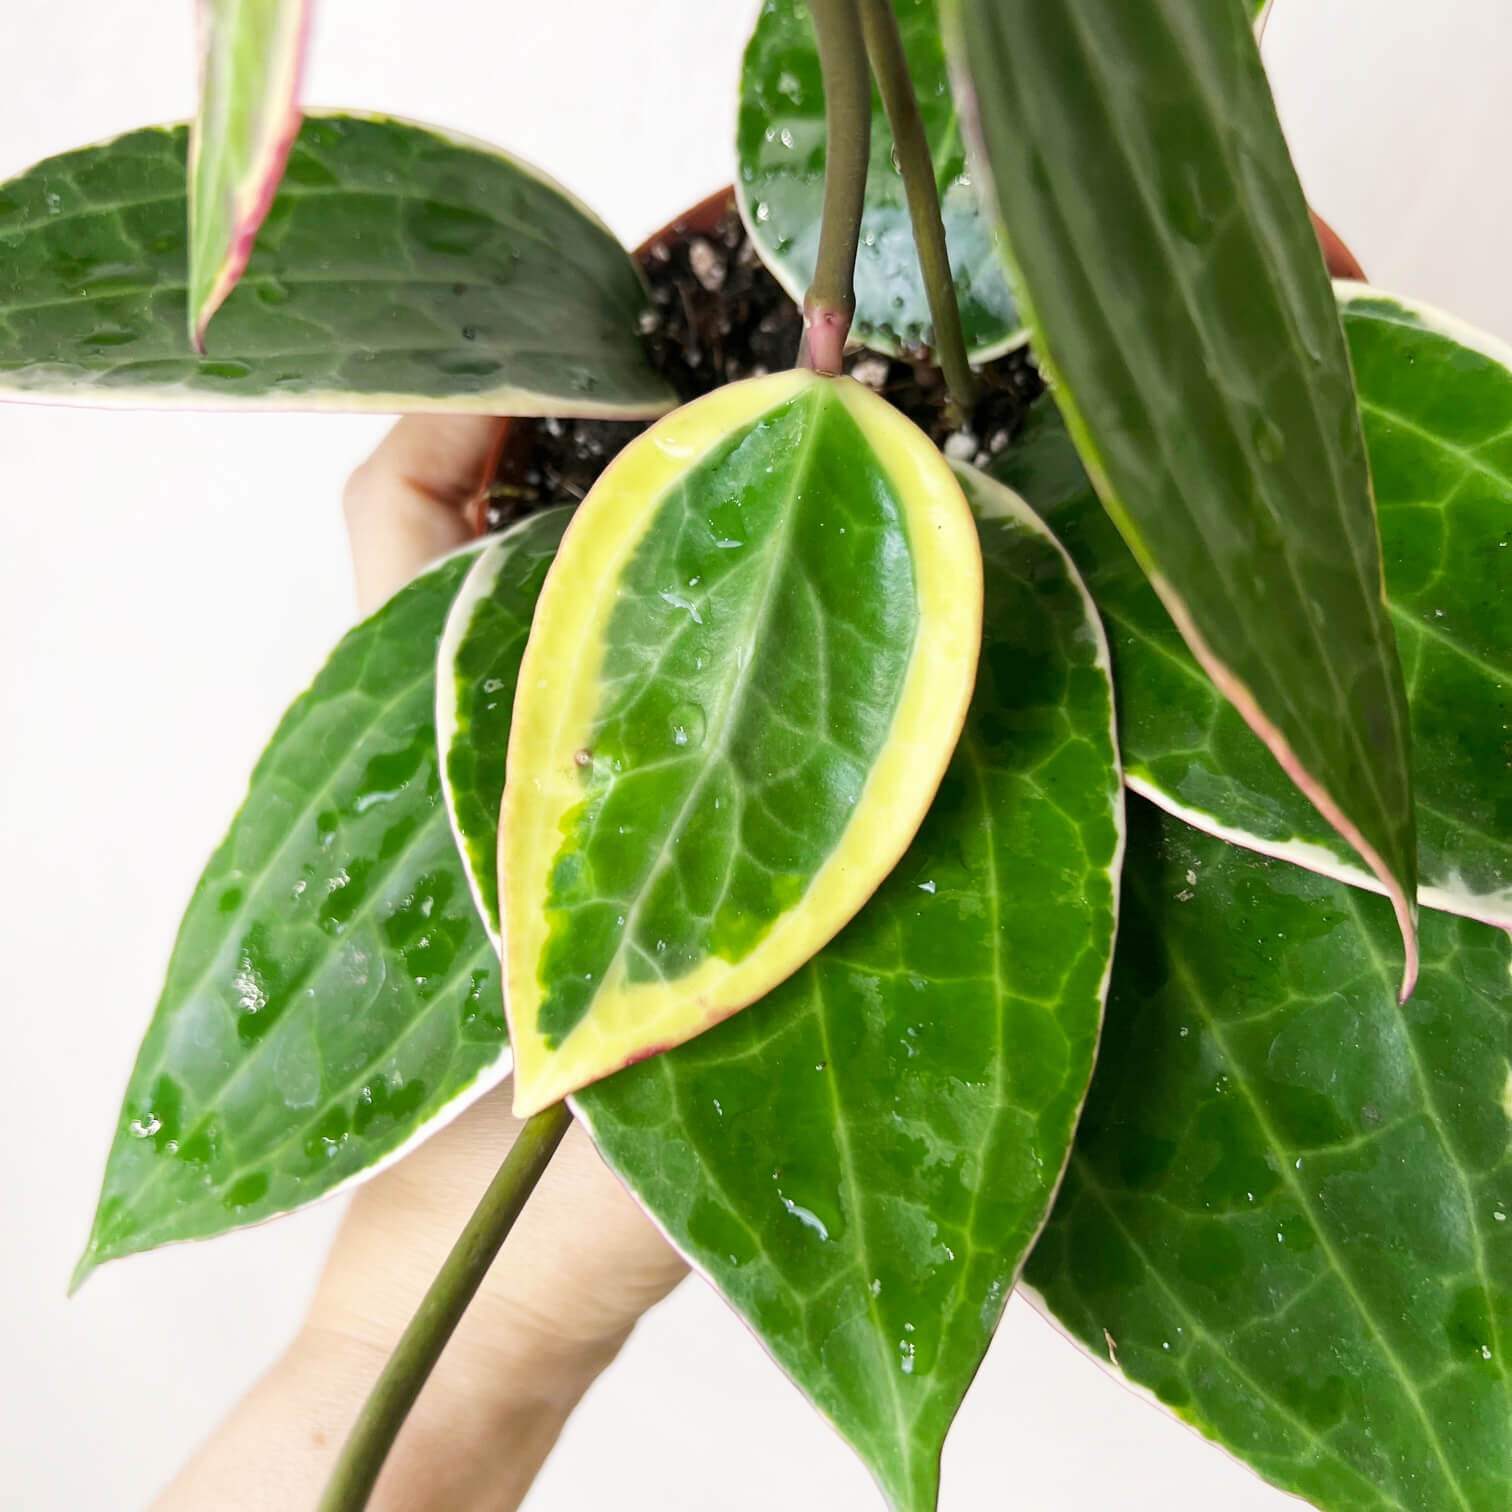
<point x="860" y="1161"/>
<point x="780" y="186"/>
<point x="749" y="668"/>
<point x="1288" y="1205"/>
<point x="477" y="668"/>
<point x="251" y="54"/>
<point x="1437" y="404"/>
<point x="398" y="269"/>
<point x="332" y="997"/>
<point x="1181" y="307"/>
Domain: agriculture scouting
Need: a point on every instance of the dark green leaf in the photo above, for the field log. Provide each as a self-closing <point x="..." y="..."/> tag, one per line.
<point x="398" y="268"/>
<point x="251" y="54"/>
<point x="477" y="668"/>
<point x="332" y="995"/>
<point x="1437" y="403"/>
<point x="860" y="1161"/>
<point x="780" y="146"/>
<point x="1287" y="1212"/>
<point x="1180" y="303"/>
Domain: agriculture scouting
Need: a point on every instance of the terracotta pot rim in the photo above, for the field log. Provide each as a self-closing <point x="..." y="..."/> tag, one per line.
<point x="703" y="219"/>
<point x="697" y="220"/>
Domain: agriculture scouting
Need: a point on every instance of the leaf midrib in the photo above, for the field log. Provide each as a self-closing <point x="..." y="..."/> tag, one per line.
<point x="1197" y="996"/>
<point x="1088" y="1181"/>
<point x="722" y="725"/>
<point x="1430" y="1105"/>
<point x="901" y="1423"/>
<point x="1246" y="444"/>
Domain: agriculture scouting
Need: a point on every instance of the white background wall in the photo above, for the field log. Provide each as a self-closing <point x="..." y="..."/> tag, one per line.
<point x="168" y="582"/>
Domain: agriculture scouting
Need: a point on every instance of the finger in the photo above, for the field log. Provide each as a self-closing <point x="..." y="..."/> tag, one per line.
<point x="417" y="497"/>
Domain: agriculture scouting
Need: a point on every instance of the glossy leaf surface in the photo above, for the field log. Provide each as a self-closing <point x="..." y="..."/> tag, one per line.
<point x="1181" y="305"/>
<point x="860" y="1161"/>
<point x="332" y="996"/>
<point x="1287" y="1211"/>
<point x="251" y="53"/>
<point x="780" y="186"/>
<point x="398" y="269"/>
<point x="1437" y="403"/>
<point x="749" y="668"/>
<point x="477" y="668"/>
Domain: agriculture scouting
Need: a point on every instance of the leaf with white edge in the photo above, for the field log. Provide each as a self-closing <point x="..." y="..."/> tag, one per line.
<point x="477" y="667"/>
<point x="332" y="998"/>
<point x="860" y="1161"/>
<point x="399" y="268"/>
<point x="780" y="187"/>
<point x="748" y="670"/>
<point x="251" y="54"/>
<point x="1181" y="307"/>
<point x="1288" y="1213"/>
<point x="1436" y="398"/>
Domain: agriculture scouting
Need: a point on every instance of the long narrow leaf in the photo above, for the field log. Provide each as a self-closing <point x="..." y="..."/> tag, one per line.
<point x="1180" y="303"/>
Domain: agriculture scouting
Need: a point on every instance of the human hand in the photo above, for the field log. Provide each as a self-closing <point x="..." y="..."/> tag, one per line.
<point x="581" y="1264"/>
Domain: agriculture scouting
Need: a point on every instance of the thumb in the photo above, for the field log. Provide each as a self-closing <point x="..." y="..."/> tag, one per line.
<point x="420" y="495"/>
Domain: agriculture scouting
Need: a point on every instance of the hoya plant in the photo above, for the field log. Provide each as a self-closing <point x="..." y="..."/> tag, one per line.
<point x="763" y="789"/>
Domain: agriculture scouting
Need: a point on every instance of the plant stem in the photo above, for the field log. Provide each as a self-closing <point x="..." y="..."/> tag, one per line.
<point x="831" y="299"/>
<point x="884" y="45"/>
<point x="414" y="1358"/>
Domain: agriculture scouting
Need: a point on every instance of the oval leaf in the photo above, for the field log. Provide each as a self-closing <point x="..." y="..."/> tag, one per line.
<point x="477" y="668"/>
<point x="1180" y="300"/>
<point x="781" y="150"/>
<point x="1287" y="1211"/>
<point x="251" y="55"/>
<point x="399" y="268"/>
<point x="860" y="1161"/>
<point x="748" y="671"/>
<point x="1437" y="403"/>
<point x="332" y="998"/>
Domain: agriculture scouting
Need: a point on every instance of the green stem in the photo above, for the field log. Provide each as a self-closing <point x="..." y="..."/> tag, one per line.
<point x="831" y="299"/>
<point x="411" y="1363"/>
<point x="884" y="45"/>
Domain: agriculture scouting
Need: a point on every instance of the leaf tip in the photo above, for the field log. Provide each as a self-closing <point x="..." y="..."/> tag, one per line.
<point x="88" y="1263"/>
<point x="1407" y="917"/>
<point x="534" y="1096"/>
<point x="208" y="295"/>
